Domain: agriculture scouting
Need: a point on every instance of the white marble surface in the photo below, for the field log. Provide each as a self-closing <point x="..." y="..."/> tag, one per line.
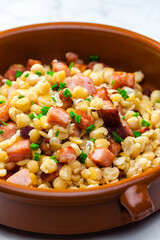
<point x="141" y="16"/>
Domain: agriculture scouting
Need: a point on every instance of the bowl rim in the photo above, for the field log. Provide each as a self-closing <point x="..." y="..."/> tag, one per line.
<point x="71" y="195"/>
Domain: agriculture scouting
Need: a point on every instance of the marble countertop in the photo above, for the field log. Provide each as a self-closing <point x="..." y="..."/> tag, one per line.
<point x="141" y="16"/>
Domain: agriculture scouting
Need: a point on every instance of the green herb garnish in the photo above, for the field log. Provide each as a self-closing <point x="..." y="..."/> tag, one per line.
<point x="78" y="118"/>
<point x="1" y="131"/>
<point x="20" y="96"/>
<point x="135" y="114"/>
<point x="54" y="86"/>
<point x="71" y="65"/>
<point x="137" y="134"/>
<point x="54" y="158"/>
<point x="26" y="75"/>
<point x="56" y="135"/>
<point x="83" y="157"/>
<point x="38" y="73"/>
<point x="112" y="82"/>
<point x="39" y="115"/>
<point x="93" y="58"/>
<point x="123" y="93"/>
<point x="50" y="73"/>
<point x="62" y="85"/>
<point x="92" y="140"/>
<point x="4" y="123"/>
<point x="88" y="99"/>
<point x="34" y="146"/>
<point x="123" y="117"/>
<point x="9" y="83"/>
<point x="90" y="128"/>
<point x="72" y="114"/>
<point x="157" y="101"/>
<point x="1" y="102"/>
<point x="44" y="110"/>
<point x="37" y="157"/>
<point x="145" y="123"/>
<point x="31" y="116"/>
<point x="117" y="138"/>
<point x="54" y="99"/>
<point x="18" y="73"/>
<point x="67" y="93"/>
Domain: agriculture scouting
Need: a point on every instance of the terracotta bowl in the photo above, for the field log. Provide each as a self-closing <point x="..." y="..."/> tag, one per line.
<point x="81" y="211"/>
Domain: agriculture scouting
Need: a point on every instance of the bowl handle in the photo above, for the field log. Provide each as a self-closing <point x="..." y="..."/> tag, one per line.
<point x="137" y="201"/>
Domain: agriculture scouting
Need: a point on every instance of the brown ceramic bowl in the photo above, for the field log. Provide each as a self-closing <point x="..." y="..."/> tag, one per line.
<point x="81" y="211"/>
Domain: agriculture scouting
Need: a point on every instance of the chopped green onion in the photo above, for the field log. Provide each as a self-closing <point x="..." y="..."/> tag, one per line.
<point x="18" y="73"/>
<point x="26" y="75"/>
<point x="32" y="103"/>
<point x="71" y="65"/>
<point x="37" y="157"/>
<point x="56" y="135"/>
<point x="117" y="138"/>
<point x="34" y="146"/>
<point x="9" y="83"/>
<point x="88" y="99"/>
<point x="145" y="123"/>
<point x="112" y="82"/>
<point x="1" y="102"/>
<point x="62" y="85"/>
<point x="39" y="115"/>
<point x="93" y="58"/>
<point x="1" y="131"/>
<point x="67" y="93"/>
<point x="123" y="93"/>
<point x="44" y="110"/>
<point x="20" y="96"/>
<point x="50" y="73"/>
<point x="135" y="114"/>
<point x="54" y="158"/>
<point x="90" y="128"/>
<point x="54" y="86"/>
<point x="31" y="116"/>
<point x="54" y="99"/>
<point x="38" y="73"/>
<point x="78" y="118"/>
<point x="123" y="117"/>
<point x="92" y="140"/>
<point x="157" y="101"/>
<point x="137" y="134"/>
<point x="72" y="114"/>
<point x="4" y="123"/>
<point x="83" y="157"/>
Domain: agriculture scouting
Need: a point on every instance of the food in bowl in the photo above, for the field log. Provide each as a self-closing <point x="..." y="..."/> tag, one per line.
<point x="71" y="125"/>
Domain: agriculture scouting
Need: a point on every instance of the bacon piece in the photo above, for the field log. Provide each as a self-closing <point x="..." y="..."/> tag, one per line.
<point x="119" y="107"/>
<point x="86" y="120"/>
<point x="51" y="176"/>
<point x="66" y="154"/>
<point x="71" y="57"/>
<point x="79" y="80"/>
<point x="19" y="151"/>
<point x="121" y="79"/>
<point x="21" y="177"/>
<point x="67" y="101"/>
<point x="102" y="93"/>
<point x="25" y="132"/>
<point x="142" y="130"/>
<point x="45" y="147"/>
<point x="110" y="115"/>
<point x="31" y="62"/>
<point x="122" y="129"/>
<point x="81" y="67"/>
<point x="10" y="90"/>
<point x="58" y="66"/>
<point x="11" y="72"/>
<point x="102" y="157"/>
<point x="4" y="111"/>
<point x="91" y="64"/>
<point x="114" y="147"/>
<point x="76" y="132"/>
<point x="58" y="116"/>
<point x="9" y="130"/>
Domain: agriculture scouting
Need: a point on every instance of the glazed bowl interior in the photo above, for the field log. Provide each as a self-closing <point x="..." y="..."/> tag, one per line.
<point x="119" y="48"/>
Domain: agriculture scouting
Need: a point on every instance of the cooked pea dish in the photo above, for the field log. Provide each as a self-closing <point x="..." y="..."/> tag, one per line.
<point x="71" y="125"/>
